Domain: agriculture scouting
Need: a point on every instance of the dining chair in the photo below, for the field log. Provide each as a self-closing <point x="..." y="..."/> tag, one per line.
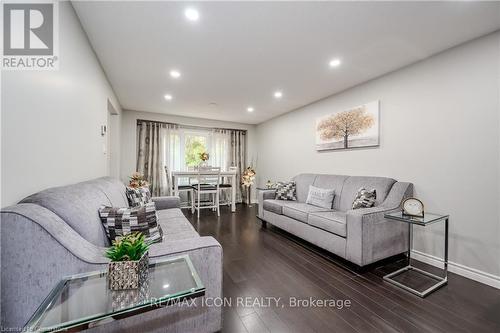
<point x="228" y="188"/>
<point x="208" y="182"/>
<point x="182" y="188"/>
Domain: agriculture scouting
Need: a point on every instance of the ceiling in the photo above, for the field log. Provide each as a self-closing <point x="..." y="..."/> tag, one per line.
<point x="239" y="53"/>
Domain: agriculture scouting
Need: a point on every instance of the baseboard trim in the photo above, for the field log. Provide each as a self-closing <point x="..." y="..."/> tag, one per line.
<point x="468" y="272"/>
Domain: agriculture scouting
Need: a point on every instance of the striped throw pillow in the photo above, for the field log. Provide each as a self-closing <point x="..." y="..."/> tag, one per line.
<point x="119" y="222"/>
<point x="138" y="196"/>
<point x="286" y="191"/>
<point x="364" y="198"/>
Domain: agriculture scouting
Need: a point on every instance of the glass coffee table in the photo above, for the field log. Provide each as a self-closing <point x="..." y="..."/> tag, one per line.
<point x="84" y="300"/>
<point x="426" y="220"/>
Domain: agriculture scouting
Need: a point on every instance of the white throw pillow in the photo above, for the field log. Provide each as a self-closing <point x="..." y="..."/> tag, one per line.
<point x="320" y="197"/>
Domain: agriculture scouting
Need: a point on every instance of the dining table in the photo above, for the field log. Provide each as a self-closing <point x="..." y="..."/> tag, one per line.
<point x="230" y="174"/>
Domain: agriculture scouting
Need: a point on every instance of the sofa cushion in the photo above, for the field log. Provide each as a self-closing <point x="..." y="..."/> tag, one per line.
<point x="174" y="225"/>
<point x="302" y="183"/>
<point x="335" y="182"/>
<point x="78" y="206"/>
<point x="274" y="206"/>
<point x="122" y="221"/>
<point x="334" y="222"/>
<point x="300" y="210"/>
<point x="353" y="184"/>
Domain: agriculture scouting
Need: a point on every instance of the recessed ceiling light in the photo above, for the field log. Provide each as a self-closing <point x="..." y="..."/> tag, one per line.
<point x="278" y="94"/>
<point x="175" y="74"/>
<point x="192" y="14"/>
<point x="250" y="109"/>
<point x="168" y="97"/>
<point x="334" y="63"/>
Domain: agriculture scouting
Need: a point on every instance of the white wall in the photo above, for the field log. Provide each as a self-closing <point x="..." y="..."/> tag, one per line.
<point x="129" y="135"/>
<point x="439" y="130"/>
<point x="51" y="119"/>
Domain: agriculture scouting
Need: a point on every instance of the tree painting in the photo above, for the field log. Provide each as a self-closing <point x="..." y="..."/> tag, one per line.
<point x="357" y="127"/>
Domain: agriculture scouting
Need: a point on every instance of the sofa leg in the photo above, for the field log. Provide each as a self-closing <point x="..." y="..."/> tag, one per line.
<point x="264" y="224"/>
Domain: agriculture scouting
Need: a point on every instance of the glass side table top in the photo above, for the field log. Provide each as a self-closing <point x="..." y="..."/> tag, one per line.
<point x="428" y="218"/>
<point x="83" y="299"/>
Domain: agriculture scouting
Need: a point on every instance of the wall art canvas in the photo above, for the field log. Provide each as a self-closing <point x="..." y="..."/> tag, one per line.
<point x="357" y="127"/>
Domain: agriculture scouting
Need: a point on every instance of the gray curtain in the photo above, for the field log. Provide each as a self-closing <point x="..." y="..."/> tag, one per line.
<point x="152" y="142"/>
<point x="238" y="159"/>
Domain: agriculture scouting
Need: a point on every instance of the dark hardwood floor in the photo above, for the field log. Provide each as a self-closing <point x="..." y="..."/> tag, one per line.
<point x="261" y="263"/>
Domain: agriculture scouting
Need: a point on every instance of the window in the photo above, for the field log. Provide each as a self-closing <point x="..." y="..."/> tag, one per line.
<point x="184" y="147"/>
<point x="194" y="145"/>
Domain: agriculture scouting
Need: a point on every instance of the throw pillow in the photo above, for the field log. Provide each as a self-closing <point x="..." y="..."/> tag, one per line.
<point x="320" y="197"/>
<point x="364" y="198"/>
<point x="138" y="196"/>
<point x="119" y="222"/>
<point x="286" y="191"/>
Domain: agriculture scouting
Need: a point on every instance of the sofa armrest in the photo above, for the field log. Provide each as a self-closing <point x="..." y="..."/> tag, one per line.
<point x="367" y="215"/>
<point x="166" y="202"/>
<point x="264" y="195"/>
<point x="22" y="215"/>
<point x="38" y="249"/>
<point x="370" y="236"/>
<point x="268" y="194"/>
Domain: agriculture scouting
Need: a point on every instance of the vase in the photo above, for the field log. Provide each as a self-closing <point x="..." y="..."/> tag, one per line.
<point x="128" y="274"/>
<point x="249" y="196"/>
<point x="121" y="299"/>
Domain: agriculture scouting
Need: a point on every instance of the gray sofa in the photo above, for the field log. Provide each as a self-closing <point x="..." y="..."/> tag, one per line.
<point x="361" y="236"/>
<point x="57" y="232"/>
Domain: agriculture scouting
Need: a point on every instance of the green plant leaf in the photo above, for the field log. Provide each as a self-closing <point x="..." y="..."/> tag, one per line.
<point x="129" y="247"/>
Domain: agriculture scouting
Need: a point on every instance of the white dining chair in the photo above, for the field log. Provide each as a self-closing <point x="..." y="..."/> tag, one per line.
<point x="208" y="182"/>
<point x="228" y="188"/>
<point x="188" y="189"/>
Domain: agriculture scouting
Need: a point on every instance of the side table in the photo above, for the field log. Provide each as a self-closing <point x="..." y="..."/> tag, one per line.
<point x="84" y="300"/>
<point x="428" y="219"/>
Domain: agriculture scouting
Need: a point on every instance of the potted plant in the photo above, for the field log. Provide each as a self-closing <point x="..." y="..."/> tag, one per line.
<point x="129" y="262"/>
<point x="138" y="180"/>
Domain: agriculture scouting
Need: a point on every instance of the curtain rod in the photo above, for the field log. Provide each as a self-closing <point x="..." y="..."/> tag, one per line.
<point x="191" y="126"/>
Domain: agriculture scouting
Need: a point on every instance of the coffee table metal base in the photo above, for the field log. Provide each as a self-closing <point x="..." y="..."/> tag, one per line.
<point x="441" y="281"/>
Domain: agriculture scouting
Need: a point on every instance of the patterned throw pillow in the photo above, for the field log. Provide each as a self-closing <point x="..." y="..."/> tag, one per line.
<point x="320" y="197"/>
<point x="364" y="198"/>
<point x="138" y="196"/>
<point x="119" y="222"/>
<point x="286" y="191"/>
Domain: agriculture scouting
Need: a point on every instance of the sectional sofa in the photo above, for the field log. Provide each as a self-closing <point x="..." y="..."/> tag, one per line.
<point x="362" y="236"/>
<point x="57" y="232"/>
